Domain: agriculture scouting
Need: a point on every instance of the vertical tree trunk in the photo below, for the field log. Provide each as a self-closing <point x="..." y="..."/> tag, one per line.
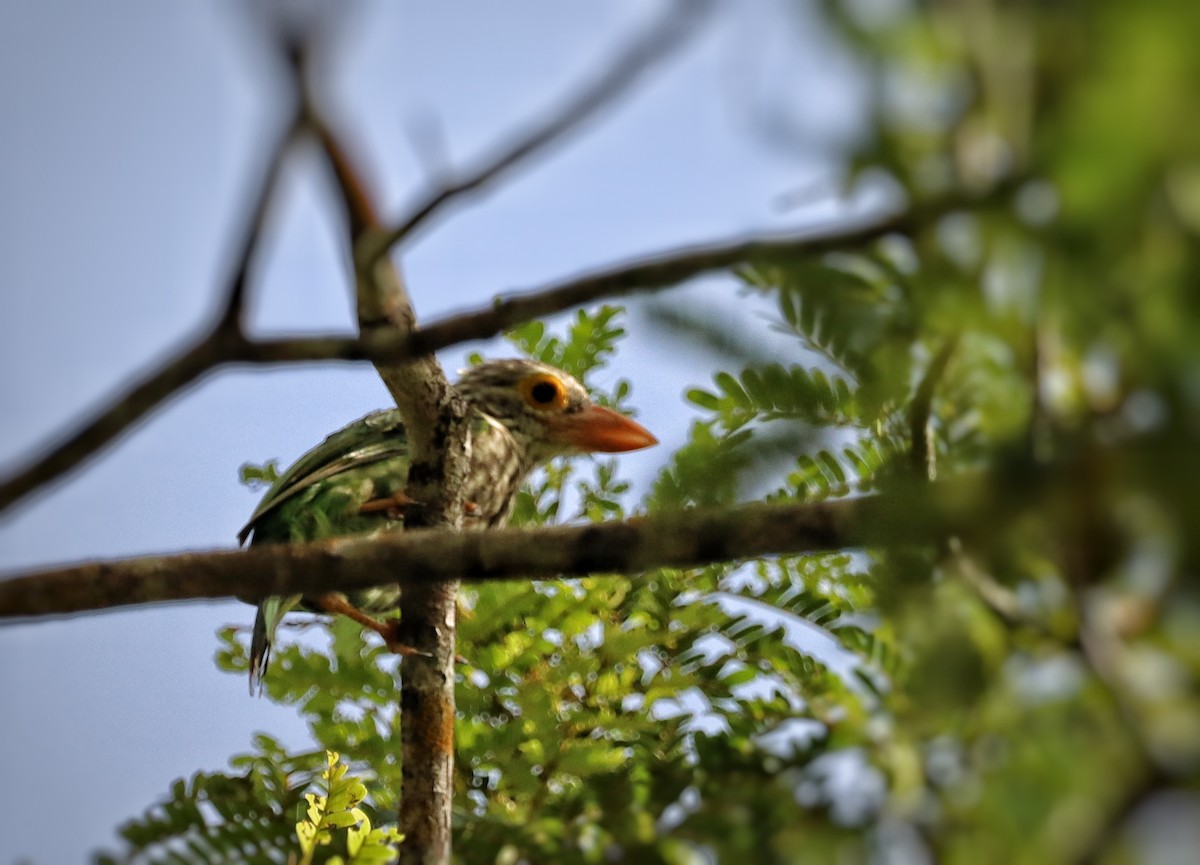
<point x="435" y="422"/>
<point x="427" y="726"/>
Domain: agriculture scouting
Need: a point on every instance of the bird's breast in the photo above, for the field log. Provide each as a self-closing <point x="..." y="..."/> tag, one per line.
<point x="497" y="470"/>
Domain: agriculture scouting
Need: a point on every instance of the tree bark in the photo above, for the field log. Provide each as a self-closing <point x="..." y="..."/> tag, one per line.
<point x="435" y="421"/>
<point x="424" y="558"/>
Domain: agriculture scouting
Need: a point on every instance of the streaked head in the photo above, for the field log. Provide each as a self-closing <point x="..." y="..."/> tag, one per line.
<point x="547" y="410"/>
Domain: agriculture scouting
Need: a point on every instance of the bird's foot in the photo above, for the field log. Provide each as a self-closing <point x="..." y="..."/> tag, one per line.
<point x="393" y="505"/>
<point x="390" y="631"/>
<point x="391" y="638"/>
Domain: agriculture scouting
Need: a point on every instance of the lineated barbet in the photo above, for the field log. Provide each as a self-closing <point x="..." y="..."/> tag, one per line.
<point x="353" y="483"/>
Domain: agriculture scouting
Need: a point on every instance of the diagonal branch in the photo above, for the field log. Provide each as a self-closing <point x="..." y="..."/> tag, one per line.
<point x="223" y="343"/>
<point x="387" y="345"/>
<point x="174" y="376"/>
<point x="657" y="272"/>
<point x="646" y="274"/>
<point x="659" y="41"/>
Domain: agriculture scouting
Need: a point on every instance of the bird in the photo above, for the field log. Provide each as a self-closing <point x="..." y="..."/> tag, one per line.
<point x="524" y="413"/>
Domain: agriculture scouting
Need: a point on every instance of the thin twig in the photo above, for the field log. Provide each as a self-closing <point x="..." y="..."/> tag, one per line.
<point x="223" y="343"/>
<point x="360" y="209"/>
<point x="1001" y="600"/>
<point x="658" y="42"/>
<point x="120" y="414"/>
<point x="231" y="318"/>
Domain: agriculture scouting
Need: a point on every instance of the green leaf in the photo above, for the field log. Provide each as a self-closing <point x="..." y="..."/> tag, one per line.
<point x="258" y="476"/>
<point x="704" y="399"/>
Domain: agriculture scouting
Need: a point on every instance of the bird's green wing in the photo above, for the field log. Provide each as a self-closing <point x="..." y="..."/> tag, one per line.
<point x="376" y="437"/>
<point x="315" y="497"/>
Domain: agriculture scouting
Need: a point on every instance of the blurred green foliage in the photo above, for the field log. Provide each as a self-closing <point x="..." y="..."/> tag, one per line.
<point x="1026" y="694"/>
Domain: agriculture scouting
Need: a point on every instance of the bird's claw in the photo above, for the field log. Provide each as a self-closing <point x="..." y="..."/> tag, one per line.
<point x="392" y="506"/>
<point x="391" y="639"/>
<point x="405" y="650"/>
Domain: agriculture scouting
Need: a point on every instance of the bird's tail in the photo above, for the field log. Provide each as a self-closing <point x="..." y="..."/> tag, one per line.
<point x="260" y="648"/>
<point x="270" y="613"/>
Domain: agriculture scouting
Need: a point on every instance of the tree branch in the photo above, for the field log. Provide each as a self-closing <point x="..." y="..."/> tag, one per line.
<point x="223" y="343"/>
<point x="976" y="508"/>
<point x="646" y="274"/>
<point x="659" y="41"/>
<point x="120" y="415"/>
<point x="424" y="557"/>
<point x="657" y="272"/>
<point x="388" y="345"/>
<point x="435" y="420"/>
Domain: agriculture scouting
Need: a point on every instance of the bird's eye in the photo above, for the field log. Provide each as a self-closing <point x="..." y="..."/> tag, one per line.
<point x="544" y="392"/>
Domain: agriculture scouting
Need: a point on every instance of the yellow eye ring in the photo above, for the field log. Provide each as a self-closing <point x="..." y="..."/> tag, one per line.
<point x="543" y="392"/>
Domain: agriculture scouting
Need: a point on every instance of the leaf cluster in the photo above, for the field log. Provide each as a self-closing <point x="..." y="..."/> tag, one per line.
<point x="232" y="817"/>
<point x="337" y="810"/>
<point x="250" y="815"/>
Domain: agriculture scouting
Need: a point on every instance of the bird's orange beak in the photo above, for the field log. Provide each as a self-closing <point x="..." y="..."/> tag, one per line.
<point x="596" y="428"/>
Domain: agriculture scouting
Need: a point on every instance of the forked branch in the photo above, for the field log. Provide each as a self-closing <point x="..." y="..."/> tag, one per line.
<point x="224" y="342"/>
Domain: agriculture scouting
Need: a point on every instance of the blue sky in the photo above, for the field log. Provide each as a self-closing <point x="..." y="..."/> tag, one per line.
<point x="131" y="134"/>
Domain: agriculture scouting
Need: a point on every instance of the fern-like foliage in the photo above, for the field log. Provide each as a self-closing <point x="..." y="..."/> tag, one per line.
<point x="219" y="817"/>
<point x="591" y="339"/>
<point x="705" y="471"/>
<point x="842" y="307"/>
<point x="776" y="392"/>
<point x="850" y="453"/>
<point x="337" y="813"/>
<point x="589" y="709"/>
<point x="261" y="817"/>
